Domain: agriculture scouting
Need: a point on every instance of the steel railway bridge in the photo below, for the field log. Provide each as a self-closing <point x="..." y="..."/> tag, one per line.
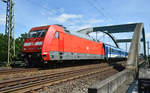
<point x="133" y="72"/>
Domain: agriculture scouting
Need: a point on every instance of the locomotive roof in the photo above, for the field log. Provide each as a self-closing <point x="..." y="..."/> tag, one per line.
<point x="80" y="35"/>
<point x="67" y="31"/>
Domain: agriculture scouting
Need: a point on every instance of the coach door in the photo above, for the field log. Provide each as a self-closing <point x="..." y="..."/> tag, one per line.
<point x="61" y="42"/>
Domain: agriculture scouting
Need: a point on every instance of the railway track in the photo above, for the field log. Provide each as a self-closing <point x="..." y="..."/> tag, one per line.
<point x="27" y="84"/>
<point x="16" y="70"/>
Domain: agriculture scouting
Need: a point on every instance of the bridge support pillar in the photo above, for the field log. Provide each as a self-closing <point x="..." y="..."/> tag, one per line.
<point x="133" y="56"/>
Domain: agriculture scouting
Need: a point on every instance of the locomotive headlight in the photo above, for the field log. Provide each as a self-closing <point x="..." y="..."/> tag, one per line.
<point x="38" y="43"/>
<point x="25" y="49"/>
<point x="27" y="44"/>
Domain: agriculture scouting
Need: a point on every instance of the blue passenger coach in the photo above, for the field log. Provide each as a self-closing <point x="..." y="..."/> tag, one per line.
<point x="112" y="52"/>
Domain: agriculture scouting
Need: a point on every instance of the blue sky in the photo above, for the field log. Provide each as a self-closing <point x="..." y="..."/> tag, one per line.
<point x="77" y="14"/>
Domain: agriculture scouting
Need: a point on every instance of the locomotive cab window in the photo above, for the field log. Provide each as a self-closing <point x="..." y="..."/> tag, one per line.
<point x="57" y="35"/>
<point x="36" y="33"/>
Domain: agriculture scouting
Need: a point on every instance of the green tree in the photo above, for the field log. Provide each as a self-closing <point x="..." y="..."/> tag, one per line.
<point x="3" y="49"/>
<point x="18" y="46"/>
<point x="4" y="46"/>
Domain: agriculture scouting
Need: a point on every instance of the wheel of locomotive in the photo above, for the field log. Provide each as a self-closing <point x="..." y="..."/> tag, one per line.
<point x="26" y="61"/>
<point x="37" y="63"/>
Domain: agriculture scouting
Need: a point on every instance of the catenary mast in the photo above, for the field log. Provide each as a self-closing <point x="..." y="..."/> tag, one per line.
<point x="9" y="30"/>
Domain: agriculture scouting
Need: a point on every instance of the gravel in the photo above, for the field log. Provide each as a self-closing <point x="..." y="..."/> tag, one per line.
<point x="80" y="85"/>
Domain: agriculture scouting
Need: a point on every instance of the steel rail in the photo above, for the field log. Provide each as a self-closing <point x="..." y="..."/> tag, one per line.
<point x="14" y="85"/>
<point x="16" y="70"/>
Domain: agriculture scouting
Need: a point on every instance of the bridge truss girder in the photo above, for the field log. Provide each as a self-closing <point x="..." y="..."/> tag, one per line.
<point x="136" y="28"/>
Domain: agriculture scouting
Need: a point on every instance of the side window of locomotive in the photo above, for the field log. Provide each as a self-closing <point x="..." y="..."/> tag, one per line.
<point x="57" y="35"/>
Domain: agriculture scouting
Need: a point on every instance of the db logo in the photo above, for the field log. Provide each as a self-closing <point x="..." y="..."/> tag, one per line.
<point x="87" y="48"/>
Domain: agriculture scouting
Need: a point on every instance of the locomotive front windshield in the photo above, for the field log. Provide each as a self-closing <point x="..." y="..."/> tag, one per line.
<point x="37" y="33"/>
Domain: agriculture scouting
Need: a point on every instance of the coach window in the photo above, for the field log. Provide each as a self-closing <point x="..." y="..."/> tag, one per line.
<point x="109" y="49"/>
<point x="112" y="50"/>
<point x="57" y="35"/>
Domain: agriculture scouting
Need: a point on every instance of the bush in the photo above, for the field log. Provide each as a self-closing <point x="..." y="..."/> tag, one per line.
<point x="4" y="46"/>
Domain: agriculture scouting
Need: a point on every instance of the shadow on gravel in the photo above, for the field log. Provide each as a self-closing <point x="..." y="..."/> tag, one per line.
<point x="118" y="67"/>
<point x="71" y="63"/>
<point x="65" y="64"/>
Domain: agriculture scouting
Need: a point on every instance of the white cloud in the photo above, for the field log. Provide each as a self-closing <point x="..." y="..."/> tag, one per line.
<point x="51" y="12"/>
<point x="99" y="35"/>
<point x="79" y="27"/>
<point x="2" y="19"/>
<point x="94" y="21"/>
<point x="109" y="24"/>
<point x="148" y="35"/>
<point x="75" y="24"/>
<point x="65" y="17"/>
<point x="61" y="10"/>
<point x="130" y="22"/>
<point x="84" y="26"/>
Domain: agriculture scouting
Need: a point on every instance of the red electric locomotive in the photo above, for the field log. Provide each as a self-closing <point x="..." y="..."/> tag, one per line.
<point x="53" y="43"/>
